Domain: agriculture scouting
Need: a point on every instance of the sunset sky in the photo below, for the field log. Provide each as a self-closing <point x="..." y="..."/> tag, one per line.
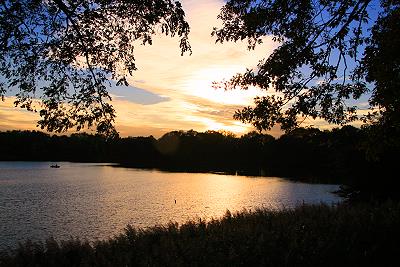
<point x="173" y="92"/>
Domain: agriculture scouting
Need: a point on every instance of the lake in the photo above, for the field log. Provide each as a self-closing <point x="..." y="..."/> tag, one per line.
<point x="96" y="201"/>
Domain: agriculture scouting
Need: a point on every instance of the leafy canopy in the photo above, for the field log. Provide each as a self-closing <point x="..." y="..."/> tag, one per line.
<point x="329" y="53"/>
<point x="64" y="52"/>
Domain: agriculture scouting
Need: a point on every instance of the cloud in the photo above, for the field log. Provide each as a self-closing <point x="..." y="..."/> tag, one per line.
<point x="13" y="118"/>
<point x="136" y="95"/>
<point x="166" y="72"/>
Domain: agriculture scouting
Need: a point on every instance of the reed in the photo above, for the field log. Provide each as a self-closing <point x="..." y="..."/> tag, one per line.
<point x="361" y="234"/>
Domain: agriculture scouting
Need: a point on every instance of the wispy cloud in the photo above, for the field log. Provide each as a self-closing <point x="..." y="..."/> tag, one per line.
<point x="13" y="118"/>
<point x="135" y="94"/>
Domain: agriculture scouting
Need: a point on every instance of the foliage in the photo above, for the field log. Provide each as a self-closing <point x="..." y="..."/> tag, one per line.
<point x="382" y="65"/>
<point x="319" y="65"/>
<point x="363" y="234"/>
<point x="64" y="52"/>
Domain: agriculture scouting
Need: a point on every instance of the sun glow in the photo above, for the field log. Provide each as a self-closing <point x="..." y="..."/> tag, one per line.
<point x="200" y="84"/>
<point x="211" y="124"/>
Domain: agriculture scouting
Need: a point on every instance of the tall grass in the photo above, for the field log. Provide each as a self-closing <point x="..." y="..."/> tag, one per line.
<point x="309" y="235"/>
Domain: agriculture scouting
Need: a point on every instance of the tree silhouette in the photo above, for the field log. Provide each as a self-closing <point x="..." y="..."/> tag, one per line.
<point x="382" y="67"/>
<point x="64" y="52"/>
<point x="320" y="63"/>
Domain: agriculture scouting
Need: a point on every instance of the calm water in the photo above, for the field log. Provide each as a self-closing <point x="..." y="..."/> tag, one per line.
<point x="95" y="201"/>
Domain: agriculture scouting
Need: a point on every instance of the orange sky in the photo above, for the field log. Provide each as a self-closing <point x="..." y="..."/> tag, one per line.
<point x="173" y="92"/>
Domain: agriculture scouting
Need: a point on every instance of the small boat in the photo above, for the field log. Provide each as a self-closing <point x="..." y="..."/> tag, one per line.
<point x="54" y="166"/>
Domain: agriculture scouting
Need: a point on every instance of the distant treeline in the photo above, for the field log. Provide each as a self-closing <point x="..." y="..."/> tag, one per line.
<point x="338" y="156"/>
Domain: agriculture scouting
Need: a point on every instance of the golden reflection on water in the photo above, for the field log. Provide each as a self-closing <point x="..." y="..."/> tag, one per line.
<point x="96" y="202"/>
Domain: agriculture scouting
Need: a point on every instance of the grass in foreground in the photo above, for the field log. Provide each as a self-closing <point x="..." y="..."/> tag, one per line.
<point x="317" y="235"/>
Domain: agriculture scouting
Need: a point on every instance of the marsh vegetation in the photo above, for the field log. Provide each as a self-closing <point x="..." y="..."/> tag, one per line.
<point x="310" y="235"/>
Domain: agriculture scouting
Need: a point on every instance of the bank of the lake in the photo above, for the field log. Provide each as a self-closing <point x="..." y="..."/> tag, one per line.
<point x="310" y="235"/>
